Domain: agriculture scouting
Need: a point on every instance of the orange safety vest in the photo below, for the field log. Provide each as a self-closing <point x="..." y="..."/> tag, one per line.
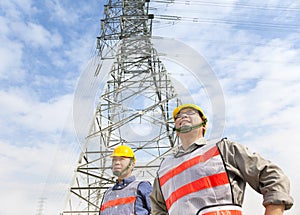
<point x="197" y="183"/>
<point x="120" y="201"/>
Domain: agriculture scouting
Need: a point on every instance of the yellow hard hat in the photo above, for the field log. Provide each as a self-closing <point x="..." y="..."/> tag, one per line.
<point x="123" y="151"/>
<point x="179" y="108"/>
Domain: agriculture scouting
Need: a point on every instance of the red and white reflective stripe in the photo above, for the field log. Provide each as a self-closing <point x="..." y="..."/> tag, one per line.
<point x="195" y="186"/>
<point x="116" y="202"/>
<point x="222" y="210"/>
<point x="187" y="164"/>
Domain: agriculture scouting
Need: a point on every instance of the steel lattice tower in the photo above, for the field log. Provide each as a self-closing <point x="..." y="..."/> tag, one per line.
<point x="135" y="107"/>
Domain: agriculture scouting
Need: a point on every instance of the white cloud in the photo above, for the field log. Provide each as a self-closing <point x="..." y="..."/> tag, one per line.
<point x="36" y="34"/>
<point x="264" y="87"/>
<point x="22" y="108"/>
<point x="30" y="173"/>
<point x="15" y="9"/>
<point x="11" y="65"/>
<point x="61" y="13"/>
<point x="11" y="55"/>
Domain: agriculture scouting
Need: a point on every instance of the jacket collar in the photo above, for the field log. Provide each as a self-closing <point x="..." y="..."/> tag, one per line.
<point x="200" y="142"/>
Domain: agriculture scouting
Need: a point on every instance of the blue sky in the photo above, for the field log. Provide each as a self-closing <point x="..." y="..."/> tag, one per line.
<point x="252" y="47"/>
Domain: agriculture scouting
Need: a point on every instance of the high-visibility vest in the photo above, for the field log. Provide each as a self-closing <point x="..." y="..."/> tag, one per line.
<point x="121" y="202"/>
<point x="197" y="183"/>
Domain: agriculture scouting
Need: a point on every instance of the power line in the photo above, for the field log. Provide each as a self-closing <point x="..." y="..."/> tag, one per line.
<point x="246" y="25"/>
<point x="239" y="19"/>
<point x="233" y="4"/>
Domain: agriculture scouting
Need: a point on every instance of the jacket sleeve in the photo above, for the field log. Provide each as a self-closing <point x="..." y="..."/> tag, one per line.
<point x="158" y="206"/>
<point x="143" y="206"/>
<point x="262" y="175"/>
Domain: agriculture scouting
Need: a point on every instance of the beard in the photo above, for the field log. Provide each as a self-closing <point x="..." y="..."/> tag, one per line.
<point x="117" y="173"/>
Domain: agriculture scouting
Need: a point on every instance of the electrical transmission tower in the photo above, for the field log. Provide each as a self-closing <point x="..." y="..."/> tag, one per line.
<point x="135" y="107"/>
<point x="41" y="205"/>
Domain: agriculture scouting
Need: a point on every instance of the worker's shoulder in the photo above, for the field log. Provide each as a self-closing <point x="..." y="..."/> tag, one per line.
<point x="227" y="143"/>
<point x="143" y="183"/>
<point x="218" y="141"/>
<point x="144" y="186"/>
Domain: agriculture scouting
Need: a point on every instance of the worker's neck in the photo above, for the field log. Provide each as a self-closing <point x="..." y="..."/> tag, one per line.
<point x="188" y="138"/>
<point x="122" y="177"/>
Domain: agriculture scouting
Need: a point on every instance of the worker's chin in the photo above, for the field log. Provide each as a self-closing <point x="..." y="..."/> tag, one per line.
<point x="117" y="173"/>
<point x="185" y="129"/>
<point x="185" y="123"/>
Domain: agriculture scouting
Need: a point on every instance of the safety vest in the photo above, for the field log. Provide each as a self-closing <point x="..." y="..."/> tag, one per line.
<point x="197" y="183"/>
<point x="121" y="202"/>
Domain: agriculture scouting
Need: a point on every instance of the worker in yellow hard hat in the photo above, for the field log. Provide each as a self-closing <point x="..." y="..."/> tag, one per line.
<point x="183" y="126"/>
<point x="128" y="196"/>
<point x="210" y="176"/>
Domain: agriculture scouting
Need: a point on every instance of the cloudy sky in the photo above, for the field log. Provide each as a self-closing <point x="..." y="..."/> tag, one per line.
<point x="252" y="48"/>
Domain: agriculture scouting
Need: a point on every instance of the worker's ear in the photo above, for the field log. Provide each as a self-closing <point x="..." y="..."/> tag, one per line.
<point x="203" y="129"/>
<point x="132" y="163"/>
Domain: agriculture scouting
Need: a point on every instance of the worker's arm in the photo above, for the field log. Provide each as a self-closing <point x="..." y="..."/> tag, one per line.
<point x="262" y="175"/>
<point x="274" y="210"/>
<point x="158" y="205"/>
